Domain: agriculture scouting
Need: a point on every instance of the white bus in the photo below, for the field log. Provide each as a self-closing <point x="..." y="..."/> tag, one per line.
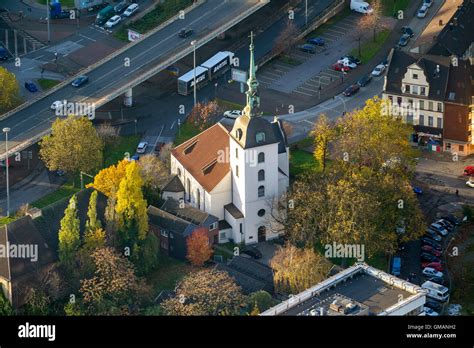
<point x="436" y="291"/>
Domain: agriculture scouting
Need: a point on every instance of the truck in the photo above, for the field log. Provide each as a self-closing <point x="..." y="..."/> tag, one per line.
<point x="186" y="82"/>
<point x="104" y="15"/>
<point x="396" y="266"/>
<point x="56" y="12"/>
<point x="218" y="64"/>
<point x="361" y="7"/>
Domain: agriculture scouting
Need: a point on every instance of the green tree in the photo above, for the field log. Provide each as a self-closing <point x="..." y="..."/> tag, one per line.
<point x="69" y="233"/>
<point x="262" y="300"/>
<point x="37" y="303"/>
<point x="5" y="305"/>
<point x="149" y="254"/>
<point x="73" y="146"/>
<point x="92" y="223"/>
<point x="10" y="91"/>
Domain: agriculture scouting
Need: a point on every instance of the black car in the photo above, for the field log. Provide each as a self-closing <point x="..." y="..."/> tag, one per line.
<point x="408" y="31"/>
<point x="404" y="40"/>
<point x="352" y="59"/>
<point x="429" y="257"/>
<point x="446" y="224"/>
<point x="80" y="81"/>
<point x="3" y="54"/>
<point x="437" y="280"/>
<point x="434" y="305"/>
<point x="452" y="219"/>
<point x="364" y="80"/>
<point x="252" y="252"/>
<point x="307" y="48"/>
<point x="431" y="242"/>
<point x="185" y="33"/>
<point x="121" y="6"/>
<point x="352" y="89"/>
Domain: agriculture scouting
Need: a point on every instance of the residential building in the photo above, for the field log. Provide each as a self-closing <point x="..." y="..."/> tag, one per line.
<point x="356" y="291"/>
<point x="236" y="173"/>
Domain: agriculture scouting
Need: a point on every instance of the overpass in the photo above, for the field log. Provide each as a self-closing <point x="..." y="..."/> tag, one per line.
<point x="126" y="68"/>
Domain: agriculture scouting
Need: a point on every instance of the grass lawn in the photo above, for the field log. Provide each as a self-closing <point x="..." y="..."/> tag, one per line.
<point x="116" y="151"/>
<point x="64" y="3"/>
<point x="391" y="7"/>
<point x="66" y="190"/>
<point x="228" y="105"/>
<point x="6" y="220"/>
<point x="187" y="131"/>
<point x="302" y="161"/>
<point x="169" y="273"/>
<point x="46" y="84"/>
<point x="226" y="250"/>
<point x="340" y="16"/>
<point x="289" y="60"/>
<point x="370" y="48"/>
<point x="154" y="18"/>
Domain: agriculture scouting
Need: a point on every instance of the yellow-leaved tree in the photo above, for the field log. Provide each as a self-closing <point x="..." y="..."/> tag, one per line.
<point x="108" y="180"/>
<point x="323" y="133"/>
<point x="10" y="91"/>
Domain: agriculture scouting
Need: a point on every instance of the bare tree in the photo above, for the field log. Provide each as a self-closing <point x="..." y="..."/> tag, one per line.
<point x="286" y="39"/>
<point x="107" y="132"/>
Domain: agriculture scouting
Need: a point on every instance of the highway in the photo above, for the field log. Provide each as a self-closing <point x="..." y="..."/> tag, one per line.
<point x="113" y="77"/>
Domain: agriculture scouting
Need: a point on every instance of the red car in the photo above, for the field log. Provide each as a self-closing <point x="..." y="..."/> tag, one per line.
<point x="436" y="265"/>
<point x="431" y="250"/>
<point x="469" y="170"/>
<point x="340" y="67"/>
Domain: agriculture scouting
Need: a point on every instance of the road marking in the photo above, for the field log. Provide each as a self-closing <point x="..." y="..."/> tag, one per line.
<point x="296" y="91"/>
<point x="86" y="37"/>
<point x="173" y="124"/>
<point x="159" y="135"/>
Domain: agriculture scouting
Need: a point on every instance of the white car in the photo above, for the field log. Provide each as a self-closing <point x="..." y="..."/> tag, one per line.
<point x="57" y="105"/>
<point x="141" y="148"/>
<point x="440" y="229"/>
<point x="347" y="62"/>
<point x="112" y="22"/>
<point x="470" y="183"/>
<point x="131" y="10"/>
<point x="427" y="3"/>
<point x="422" y="11"/>
<point x="233" y="114"/>
<point x="379" y="69"/>
<point x="429" y="312"/>
<point x="431" y="272"/>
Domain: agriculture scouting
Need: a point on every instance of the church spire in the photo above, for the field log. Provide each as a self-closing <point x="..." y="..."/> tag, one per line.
<point x="253" y="99"/>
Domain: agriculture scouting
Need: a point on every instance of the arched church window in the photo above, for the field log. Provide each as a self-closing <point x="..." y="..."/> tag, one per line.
<point x="261" y="175"/>
<point x="261" y="191"/>
<point x="261" y="157"/>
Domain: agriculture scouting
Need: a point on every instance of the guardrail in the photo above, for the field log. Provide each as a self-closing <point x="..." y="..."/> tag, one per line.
<point x="100" y="62"/>
<point x="320" y="19"/>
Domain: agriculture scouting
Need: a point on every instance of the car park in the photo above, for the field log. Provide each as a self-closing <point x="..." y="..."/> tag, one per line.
<point x="403" y="40"/>
<point x="233" y="114"/>
<point x="121" y="6"/>
<point x="428" y="257"/>
<point x="112" y="22"/>
<point x="436" y="265"/>
<point x="429" y="241"/>
<point x="307" y="48"/>
<point x="431" y="250"/>
<point x="340" y="67"/>
<point x="30" y="86"/>
<point x="422" y="12"/>
<point x="131" y="10"/>
<point x="433" y="234"/>
<point x="352" y="59"/>
<point x="317" y="41"/>
<point x="347" y="62"/>
<point x="141" y="148"/>
<point x="364" y="80"/>
<point x="184" y="33"/>
<point x="430" y="312"/>
<point x="431" y="272"/>
<point x="253" y="252"/>
<point x="352" y="89"/>
<point x="80" y="81"/>
<point x="378" y="70"/>
<point x="408" y="31"/>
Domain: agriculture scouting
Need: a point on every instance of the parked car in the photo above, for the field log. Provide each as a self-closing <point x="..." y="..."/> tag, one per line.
<point x="317" y="41"/>
<point x="80" y="81"/>
<point x="432" y="234"/>
<point x="252" y="252"/>
<point x="408" y="31"/>
<point x="347" y="62"/>
<point x="307" y="48"/>
<point x="340" y="67"/>
<point x="439" y="229"/>
<point x="435" y="265"/>
<point x="233" y="113"/>
<point x="452" y="219"/>
<point x="3" y="54"/>
<point x="403" y="40"/>
<point x="468" y="170"/>
<point x="135" y="157"/>
<point x="352" y="59"/>
<point x="30" y="86"/>
<point x="433" y="304"/>
<point x="430" y="312"/>
<point x="379" y="69"/>
<point x="158" y="147"/>
<point x="364" y="80"/>
<point x="428" y="257"/>
<point x="422" y="11"/>
<point x="121" y="6"/>
<point x="184" y="33"/>
<point x="446" y="224"/>
<point x="112" y="22"/>
<point x="431" y="272"/>
<point x="131" y="10"/>
<point x="352" y="89"/>
<point x="57" y="105"/>
<point x="427" y="3"/>
<point x="429" y="241"/>
<point x="417" y="190"/>
<point x="438" y="280"/>
<point x="470" y="183"/>
<point x="141" y="148"/>
<point x="431" y="250"/>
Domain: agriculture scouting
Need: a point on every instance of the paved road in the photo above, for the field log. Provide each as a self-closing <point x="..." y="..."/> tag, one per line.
<point x="108" y="80"/>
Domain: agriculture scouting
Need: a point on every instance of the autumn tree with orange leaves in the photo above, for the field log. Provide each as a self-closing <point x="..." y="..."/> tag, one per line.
<point x="202" y="115"/>
<point x="199" y="250"/>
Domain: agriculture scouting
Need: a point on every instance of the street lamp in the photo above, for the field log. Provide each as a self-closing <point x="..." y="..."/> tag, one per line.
<point x="193" y="43"/>
<point x="48" y="21"/>
<point x="306" y="13"/>
<point x="6" y="130"/>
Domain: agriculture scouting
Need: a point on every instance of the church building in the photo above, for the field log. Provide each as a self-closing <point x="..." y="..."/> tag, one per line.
<point x="235" y="172"/>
